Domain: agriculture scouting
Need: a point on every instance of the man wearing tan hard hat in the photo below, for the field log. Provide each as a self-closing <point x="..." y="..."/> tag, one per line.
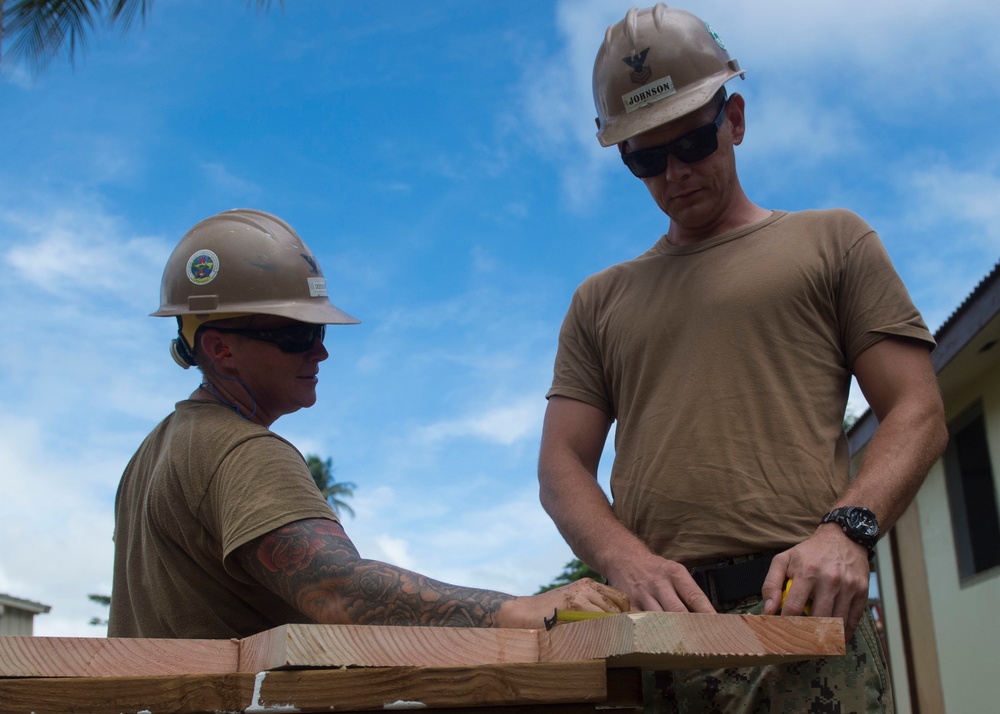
<point x="724" y="354"/>
<point x="220" y="530"/>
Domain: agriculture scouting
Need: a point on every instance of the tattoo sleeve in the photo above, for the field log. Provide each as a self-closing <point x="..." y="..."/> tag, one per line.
<point x="313" y="565"/>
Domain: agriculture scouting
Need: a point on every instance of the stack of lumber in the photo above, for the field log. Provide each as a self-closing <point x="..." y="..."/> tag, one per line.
<point x="576" y="666"/>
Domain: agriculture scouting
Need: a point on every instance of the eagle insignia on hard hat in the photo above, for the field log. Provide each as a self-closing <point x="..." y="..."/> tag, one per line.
<point x="312" y="263"/>
<point x="640" y="73"/>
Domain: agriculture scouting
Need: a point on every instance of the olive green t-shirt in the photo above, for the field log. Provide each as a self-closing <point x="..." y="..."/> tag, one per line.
<point x="727" y="366"/>
<point x="203" y="483"/>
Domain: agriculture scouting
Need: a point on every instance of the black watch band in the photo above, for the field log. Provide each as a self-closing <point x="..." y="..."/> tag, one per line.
<point x="858" y="523"/>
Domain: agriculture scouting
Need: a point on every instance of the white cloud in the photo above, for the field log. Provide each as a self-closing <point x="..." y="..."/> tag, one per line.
<point x="58" y="523"/>
<point x="63" y="249"/>
<point x="502" y="425"/>
<point x="559" y="105"/>
<point x="780" y="125"/>
<point x="511" y="545"/>
<point x="952" y="196"/>
<point x="220" y="177"/>
<point x="393" y="550"/>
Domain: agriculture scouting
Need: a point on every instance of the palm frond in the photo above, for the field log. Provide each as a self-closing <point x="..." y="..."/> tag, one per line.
<point x="39" y="29"/>
<point x="124" y="12"/>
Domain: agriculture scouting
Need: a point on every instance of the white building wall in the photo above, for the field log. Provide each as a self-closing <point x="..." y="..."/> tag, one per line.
<point x="15" y="622"/>
<point x="966" y="620"/>
<point x="888" y="593"/>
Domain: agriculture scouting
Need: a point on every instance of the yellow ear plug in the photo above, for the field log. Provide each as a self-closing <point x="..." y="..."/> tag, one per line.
<point x="788" y="586"/>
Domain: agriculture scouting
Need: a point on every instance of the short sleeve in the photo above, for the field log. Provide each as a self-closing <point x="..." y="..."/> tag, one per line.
<point x="262" y="484"/>
<point x="873" y="301"/>
<point x="579" y="371"/>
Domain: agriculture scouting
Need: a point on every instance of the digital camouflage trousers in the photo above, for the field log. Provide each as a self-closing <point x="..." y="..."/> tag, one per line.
<point x="857" y="682"/>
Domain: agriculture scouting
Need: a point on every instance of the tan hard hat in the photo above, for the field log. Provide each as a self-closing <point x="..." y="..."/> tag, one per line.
<point x="246" y="262"/>
<point x="654" y="66"/>
<point x="242" y="262"/>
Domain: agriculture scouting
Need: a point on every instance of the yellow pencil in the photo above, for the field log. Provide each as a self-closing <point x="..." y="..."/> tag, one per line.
<point x="788" y="586"/>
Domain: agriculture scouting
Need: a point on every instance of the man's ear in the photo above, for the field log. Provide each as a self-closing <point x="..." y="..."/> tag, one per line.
<point x="735" y="113"/>
<point x="214" y="344"/>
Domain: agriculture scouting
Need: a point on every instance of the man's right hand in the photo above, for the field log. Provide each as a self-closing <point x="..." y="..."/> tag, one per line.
<point x="655" y="584"/>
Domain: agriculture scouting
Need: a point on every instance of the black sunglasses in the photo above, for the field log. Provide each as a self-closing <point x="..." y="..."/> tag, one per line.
<point x="294" y="338"/>
<point x="696" y="145"/>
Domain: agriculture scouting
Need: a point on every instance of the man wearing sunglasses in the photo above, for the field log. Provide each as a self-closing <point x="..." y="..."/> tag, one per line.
<point x="220" y="530"/>
<point x="724" y="356"/>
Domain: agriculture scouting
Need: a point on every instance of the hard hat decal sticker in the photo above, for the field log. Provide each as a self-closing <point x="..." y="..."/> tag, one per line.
<point x="640" y="73"/>
<point x="648" y="94"/>
<point x="317" y="287"/>
<point x="715" y="36"/>
<point x="202" y="267"/>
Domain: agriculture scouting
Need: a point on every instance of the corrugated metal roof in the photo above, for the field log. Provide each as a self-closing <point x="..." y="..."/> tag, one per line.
<point x="970" y="300"/>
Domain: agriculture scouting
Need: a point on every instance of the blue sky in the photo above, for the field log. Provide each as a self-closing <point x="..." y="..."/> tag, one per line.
<point x="439" y="158"/>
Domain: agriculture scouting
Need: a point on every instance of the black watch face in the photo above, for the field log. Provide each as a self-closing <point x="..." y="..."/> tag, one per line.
<point x="862" y="522"/>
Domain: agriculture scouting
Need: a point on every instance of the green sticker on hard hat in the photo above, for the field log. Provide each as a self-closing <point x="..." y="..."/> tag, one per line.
<point x="715" y="36"/>
<point x="202" y="267"/>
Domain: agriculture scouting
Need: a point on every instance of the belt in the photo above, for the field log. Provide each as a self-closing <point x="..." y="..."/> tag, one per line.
<point x="729" y="582"/>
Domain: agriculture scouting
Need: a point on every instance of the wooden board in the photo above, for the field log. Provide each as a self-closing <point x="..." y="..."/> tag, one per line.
<point x="657" y="640"/>
<point x="653" y="640"/>
<point x="671" y="640"/>
<point x="559" y="686"/>
<point x="385" y="646"/>
<point x="116" y="657"/>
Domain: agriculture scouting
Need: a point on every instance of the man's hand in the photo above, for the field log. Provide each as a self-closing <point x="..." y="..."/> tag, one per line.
<point x="829" y="572"/>
<point x="584" y="594"/>
<point x="655" y="584"/>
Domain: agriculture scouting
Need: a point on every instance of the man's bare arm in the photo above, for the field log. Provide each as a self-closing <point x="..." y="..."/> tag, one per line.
<point x="897" y="379"/>
<point x="313" y="565"/>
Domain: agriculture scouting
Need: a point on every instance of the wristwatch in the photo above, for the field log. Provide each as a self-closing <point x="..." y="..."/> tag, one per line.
<point x="858" y="523"/>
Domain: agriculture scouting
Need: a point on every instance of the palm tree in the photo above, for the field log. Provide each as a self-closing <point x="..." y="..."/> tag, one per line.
<point x="573" y="570"/>
<point x="333" y="491"/>
<point x="38" y="30"/>
<point x="104" y="600"/>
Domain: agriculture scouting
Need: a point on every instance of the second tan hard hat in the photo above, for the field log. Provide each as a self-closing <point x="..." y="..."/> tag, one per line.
<point x="242" y="262"/>
<point x="246" y="262"/>
<point x="656" y="65"/>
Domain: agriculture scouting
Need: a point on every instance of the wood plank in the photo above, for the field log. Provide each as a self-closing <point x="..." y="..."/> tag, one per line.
<point x="385" y="646"/>
<point x="651" y="640"/>
<point x="176" y="694"/>
<point x="409" y="688"/>
<point x="670" y="640"/>
<point x="654" y="640"/>
<point x="564" y="686"/>
<point x="116" y="657"/>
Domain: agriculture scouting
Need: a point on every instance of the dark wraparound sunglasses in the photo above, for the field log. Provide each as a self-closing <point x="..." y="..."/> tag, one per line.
<point x="696" y="145"/>
<point x="294" y="338"/>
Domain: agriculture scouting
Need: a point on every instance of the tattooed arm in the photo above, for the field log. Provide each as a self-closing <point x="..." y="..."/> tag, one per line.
<point x="313" y="565"/>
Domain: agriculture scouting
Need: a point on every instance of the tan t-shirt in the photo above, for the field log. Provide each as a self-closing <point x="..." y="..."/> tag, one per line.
<point x="204" y="482"/>
<point x="727" y="366"/>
